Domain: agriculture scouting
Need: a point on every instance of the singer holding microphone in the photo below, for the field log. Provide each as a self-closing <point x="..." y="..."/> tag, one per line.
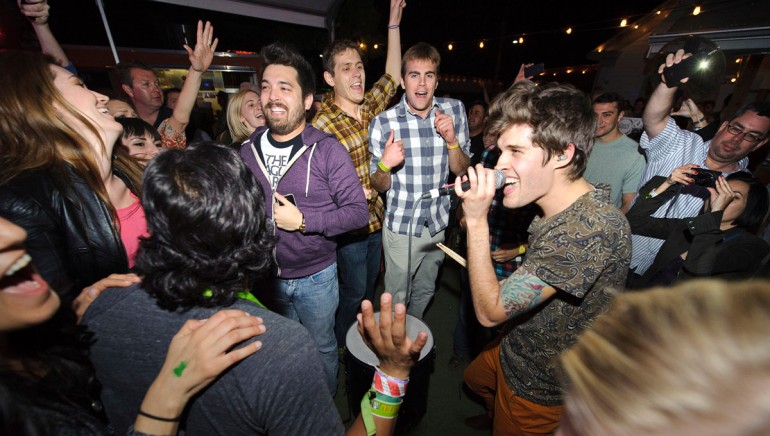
<point x="414" y="145"/>
<point x="578" y="250"/>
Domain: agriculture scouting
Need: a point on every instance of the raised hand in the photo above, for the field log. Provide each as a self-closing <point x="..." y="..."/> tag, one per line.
<point x="445" y="127"/>
<point x="388" y="339"/>
<point x="393" y="154"/>
<point x="36" y="10"/>
<point x="205" y="46"/>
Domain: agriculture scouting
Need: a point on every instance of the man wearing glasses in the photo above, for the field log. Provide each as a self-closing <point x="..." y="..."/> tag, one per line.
<point x="669" y="147"/>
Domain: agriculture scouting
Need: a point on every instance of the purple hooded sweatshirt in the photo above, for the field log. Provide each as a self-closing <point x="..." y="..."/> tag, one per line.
<point x="326" y="189"/>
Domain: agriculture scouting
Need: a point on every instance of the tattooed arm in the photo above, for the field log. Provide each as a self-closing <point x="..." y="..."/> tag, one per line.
<point x="495" y="302"/>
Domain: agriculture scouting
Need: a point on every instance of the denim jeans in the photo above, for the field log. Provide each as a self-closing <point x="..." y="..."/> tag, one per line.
<point x="358" y="262"/>
<point x="313" y="300"/>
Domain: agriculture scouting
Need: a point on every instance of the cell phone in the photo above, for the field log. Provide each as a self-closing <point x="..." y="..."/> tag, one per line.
<point x="707" y="178"/>
<point x="677" y="72"/>
<point x="534" y="70"/>
<point x="290" y="198"/>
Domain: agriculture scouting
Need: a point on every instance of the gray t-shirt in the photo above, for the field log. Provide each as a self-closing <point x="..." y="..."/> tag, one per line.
<point x="619" y="164"/>
<point x="279" y="390"/>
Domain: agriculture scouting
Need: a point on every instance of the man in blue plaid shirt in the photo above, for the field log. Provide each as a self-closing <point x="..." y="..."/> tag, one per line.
<point x="414" y="145"/>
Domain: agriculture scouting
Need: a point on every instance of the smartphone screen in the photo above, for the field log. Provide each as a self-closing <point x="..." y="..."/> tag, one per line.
<point x="534" y="70"/>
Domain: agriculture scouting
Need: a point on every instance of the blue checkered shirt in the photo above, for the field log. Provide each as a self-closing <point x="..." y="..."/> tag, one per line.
<point x="670" y="149"/>
<point x="426" y="163"/>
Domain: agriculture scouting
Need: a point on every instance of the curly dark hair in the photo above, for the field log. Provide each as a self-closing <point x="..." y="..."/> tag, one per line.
<point x="208" y="231"/>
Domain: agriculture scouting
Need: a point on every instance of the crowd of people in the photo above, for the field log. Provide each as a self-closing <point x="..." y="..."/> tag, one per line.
<point x="156" y="283"/>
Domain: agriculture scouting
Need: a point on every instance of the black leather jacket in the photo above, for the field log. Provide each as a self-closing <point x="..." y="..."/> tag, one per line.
<point x="70" y="232"/>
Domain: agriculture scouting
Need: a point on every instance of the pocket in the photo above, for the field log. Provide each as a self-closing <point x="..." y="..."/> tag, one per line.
<point x="326" y="275"/>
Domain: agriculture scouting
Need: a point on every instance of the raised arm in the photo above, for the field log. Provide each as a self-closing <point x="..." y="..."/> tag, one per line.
<point x="200" y="60"/>
<point x="658" y="108"/>
<point x="393" y="61"/>
<point x="38" y="12"/>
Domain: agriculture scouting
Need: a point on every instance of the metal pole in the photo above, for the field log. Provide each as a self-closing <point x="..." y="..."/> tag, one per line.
<point x="107" y="29"/>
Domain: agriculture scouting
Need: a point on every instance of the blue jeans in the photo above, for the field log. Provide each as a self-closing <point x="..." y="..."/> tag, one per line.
<point x="313" y="300"/>
<point x="358" y="261"/>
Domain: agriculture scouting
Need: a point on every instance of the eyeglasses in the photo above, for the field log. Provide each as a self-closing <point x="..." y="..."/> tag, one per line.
<point x="747" y="136"/>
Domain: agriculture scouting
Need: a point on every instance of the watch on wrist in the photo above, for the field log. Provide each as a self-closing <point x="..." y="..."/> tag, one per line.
<point x="302" y="226"/>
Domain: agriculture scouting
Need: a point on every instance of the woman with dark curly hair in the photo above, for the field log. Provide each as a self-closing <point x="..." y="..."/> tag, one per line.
<point x="210" y="243"/>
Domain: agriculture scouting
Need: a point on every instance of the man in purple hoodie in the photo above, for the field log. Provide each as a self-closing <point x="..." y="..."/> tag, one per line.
<point x="314" y="193"/>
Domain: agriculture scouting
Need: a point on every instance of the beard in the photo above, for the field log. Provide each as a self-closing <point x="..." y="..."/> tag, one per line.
<point x="295" y="117"/>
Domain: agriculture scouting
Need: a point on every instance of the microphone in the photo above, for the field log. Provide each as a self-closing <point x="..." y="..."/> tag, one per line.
<point x="450" y="189"/>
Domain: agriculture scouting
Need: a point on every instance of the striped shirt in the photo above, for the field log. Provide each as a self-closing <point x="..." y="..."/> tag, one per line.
<point x="354" y="135"/>
<point x="425" y="167"/>
<point x="671" y="149"/>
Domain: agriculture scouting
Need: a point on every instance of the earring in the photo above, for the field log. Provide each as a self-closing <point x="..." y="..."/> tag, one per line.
<point x="561" y="157"/>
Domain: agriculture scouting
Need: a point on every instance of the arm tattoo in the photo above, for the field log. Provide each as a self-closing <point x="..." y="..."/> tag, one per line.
<point x="520" y="293"/>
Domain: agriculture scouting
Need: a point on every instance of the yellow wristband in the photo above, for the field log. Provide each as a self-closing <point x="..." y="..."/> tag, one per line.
<point x="522" y="249"/>
<point x="383" y="167"/>
<point x="452" y="147"/>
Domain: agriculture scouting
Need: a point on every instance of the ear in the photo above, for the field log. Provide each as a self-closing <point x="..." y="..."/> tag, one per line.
<point x="621" y="114"/>
<point x="402" y="83"/>
<point x="329" y="78"/>
<point x="127" y="89"/>
<point x="308" y="101"/>
<point x="564" y="159"/>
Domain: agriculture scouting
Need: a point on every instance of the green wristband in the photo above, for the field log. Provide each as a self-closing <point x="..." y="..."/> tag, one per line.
<point x="366" y="414"/>
<point x="383" y="167"/>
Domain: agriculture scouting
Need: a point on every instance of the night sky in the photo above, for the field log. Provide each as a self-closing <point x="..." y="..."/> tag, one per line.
<point x="142" y="23"/>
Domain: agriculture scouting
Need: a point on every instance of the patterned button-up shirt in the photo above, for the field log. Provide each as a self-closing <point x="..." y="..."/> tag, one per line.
<point x="354" y="135"/>
<point x="425" y="167"/>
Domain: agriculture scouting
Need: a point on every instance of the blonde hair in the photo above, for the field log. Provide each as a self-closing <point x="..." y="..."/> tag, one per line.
<point x="239" y="130"/>
<point x="689" y="360"/>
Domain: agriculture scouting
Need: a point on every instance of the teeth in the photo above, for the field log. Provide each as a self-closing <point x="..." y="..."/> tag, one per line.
<point x="19" y="264"/>
<point x="511" y="181"/>
<point x="104" y="110"/>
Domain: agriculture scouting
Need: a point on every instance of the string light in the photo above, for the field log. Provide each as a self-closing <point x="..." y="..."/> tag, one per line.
<point x="515" y="41"/>
<point x="738" y="60"/>
<point x="569" y="31"/>
<point x="481" y="44"/>
<point x="733" y="80"/>
<point x="636" y="26"/>
<point x="376" y="46"/>
<point x="696" y="11"/>
<point x="623" y="22"/>
<point x="521" y="40"/>
<point x="362" y="46"/>
<point x="450" y="47"/>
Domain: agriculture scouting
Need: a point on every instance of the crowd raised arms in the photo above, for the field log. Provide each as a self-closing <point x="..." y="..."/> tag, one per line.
<point x="156" y="284"/>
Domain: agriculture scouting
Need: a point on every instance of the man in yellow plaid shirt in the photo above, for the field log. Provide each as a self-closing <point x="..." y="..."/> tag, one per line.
<point x="346" y="112"/>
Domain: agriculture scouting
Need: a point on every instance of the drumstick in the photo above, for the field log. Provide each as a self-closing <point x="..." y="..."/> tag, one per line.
<point x="459" y="259"/>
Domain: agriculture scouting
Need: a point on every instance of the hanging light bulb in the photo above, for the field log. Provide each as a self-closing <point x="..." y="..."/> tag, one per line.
<point x="623" y="22"/>
<point x="376" y="46"/>
<point x="450" y="47"/>
<point x="569" y="31"/>
<point x="481" y="44"/>
<point x="521" y="40"/>
<point x="696" y="11"/>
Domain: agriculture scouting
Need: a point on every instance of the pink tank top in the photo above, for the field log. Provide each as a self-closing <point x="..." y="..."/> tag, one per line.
<point x="132" y="226"/>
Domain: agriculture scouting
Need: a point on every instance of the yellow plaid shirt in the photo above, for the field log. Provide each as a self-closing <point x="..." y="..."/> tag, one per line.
<point x="354" y="135"/>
